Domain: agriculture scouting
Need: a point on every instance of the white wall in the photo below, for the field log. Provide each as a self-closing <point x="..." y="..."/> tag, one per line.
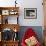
<point x="27" y="4"/>
<point x="32" y="4"/>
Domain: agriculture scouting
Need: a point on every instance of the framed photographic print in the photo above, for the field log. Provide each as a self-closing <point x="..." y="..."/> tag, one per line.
<point x="5" y="12"/>
<point x="30" y="13"/>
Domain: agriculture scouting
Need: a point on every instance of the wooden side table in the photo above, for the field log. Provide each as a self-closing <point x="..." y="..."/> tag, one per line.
<point x="10" y="43"/>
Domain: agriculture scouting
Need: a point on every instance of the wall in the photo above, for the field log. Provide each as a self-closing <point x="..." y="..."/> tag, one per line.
<point x="32" y="4"/>
<point x="26" y="4"/>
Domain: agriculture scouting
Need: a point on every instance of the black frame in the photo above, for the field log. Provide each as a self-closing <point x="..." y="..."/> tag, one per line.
<point x="29" y="10"/>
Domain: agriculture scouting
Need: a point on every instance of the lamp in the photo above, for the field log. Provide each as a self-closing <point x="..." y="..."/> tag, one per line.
<point x="15" y="3"/>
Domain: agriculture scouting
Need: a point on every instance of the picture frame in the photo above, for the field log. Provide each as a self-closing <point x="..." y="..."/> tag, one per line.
<point x="13" y="12"/>
<point x="5" y="12"/>
<point x="30" y="13"/>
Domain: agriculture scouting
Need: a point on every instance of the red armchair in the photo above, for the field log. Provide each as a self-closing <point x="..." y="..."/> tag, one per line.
<point x="30" y="34"/>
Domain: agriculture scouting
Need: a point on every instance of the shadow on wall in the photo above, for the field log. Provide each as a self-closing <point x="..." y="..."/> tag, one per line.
<point x="37" y="29"/>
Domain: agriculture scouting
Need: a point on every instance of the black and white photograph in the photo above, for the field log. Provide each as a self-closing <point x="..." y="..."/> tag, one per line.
<point x="30" y="13"/>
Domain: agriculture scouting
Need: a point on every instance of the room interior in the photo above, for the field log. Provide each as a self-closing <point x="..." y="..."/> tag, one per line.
<point x="17" y="16"/>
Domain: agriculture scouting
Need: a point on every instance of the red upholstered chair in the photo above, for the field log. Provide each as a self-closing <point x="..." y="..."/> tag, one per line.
<point x="28" y="34"/>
